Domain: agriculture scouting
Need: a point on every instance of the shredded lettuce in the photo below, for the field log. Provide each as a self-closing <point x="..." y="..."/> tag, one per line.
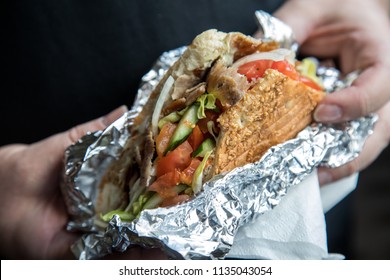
<point x="132" y="211"/>
<point x="308" y="68"/>
<point x="206" y="101"/>
<point x="197" y="180"/>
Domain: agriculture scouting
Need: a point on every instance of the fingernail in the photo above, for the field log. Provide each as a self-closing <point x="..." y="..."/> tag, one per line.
<point x="114" y="115"/>
<point x="328" y="113"/>
<point x="324" y="177"/>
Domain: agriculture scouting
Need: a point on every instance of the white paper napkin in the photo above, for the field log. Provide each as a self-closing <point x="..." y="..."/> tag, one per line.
<point x="295" y="229"/>
<point x="332" y="194"/>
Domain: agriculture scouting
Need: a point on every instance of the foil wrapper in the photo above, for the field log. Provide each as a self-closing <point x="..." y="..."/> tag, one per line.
<point x="205" y="227"/>
<point x="273" y="29"/>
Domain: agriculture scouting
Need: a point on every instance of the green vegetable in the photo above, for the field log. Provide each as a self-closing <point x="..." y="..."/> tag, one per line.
<point x="140" y="203"/>
<point x="308" y="68"/>
<point x="207" y="146"/>
<point x="153" y="200"/>
<point x="206" y="101"/>
<point x="197" y="180"/>
<point x="211" y="129"/>
<point x="184" y="128"/>
<point x="125" y="216"/>
<point x="172" y="118"/>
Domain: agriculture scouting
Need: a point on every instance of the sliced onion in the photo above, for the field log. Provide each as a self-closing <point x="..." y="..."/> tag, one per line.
<point x="160" y="103"/>
<point x="275" y="55"/>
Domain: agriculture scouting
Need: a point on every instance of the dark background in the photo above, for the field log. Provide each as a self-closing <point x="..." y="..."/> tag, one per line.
<point x="67" y="62"/>
<point x="359" y="227"/>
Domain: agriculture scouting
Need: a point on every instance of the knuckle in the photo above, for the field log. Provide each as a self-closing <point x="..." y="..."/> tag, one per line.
<point x="363" y="101"/>
<point x="346" y="170"/>
<point x="366" y="106"/>
<point x="352" y="167"/>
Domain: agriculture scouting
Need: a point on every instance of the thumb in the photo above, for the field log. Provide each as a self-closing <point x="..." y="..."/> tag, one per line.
<point x="55" y="145"/>
<point x="75" y="133"/>
<point x="301" y="16"/>
<point x="52" y="148"/>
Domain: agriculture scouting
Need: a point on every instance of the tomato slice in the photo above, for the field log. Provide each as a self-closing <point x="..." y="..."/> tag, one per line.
<point x="162" y="140"/>
<point x="187" y="174"/>
<point x="196" y="138"/>
<point x="285" y="68"/>
<point x="255" y="69"/>
<point x="309" y="82"/>
<point x="164" y="185"/>
<point x="210" y="116"/>
<point x="178" y="159"/>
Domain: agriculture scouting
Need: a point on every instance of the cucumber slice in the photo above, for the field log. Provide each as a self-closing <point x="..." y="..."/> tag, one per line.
<point x="172" y="118"/>
<point x="156" y="199"/>
<point x="184" y="128"/>
<point x="207" y="146"/>
<point x="125" y="216"/>
<point x="153" y="202"/>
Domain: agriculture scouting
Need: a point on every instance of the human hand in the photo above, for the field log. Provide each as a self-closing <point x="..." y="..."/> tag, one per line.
<point x="33" y="216"/>
<point x="354" y="34"/>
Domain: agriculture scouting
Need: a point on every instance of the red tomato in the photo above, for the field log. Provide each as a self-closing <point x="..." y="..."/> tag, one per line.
<point x="162" y="140"/>
<point x="178" y="159"/>
<point x="187" y="174"/>
<point x="285" y="68"/>
<point x="196" y="138"/>
<point x="210" y="116"/>
<point x="175" y="200"/>
<point x="255" y="69"/>
<point x="164" y="185"/>
<point x="219" y="105"/>
<point x="309" y="82"/>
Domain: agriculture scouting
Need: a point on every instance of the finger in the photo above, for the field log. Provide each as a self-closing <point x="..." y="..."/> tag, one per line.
<point x="302" y="18"/>
<point x="53" y="147"/>
<point x="372" y="148"/>
<point x="327" y="41"/>
<point x="366" y="95"/>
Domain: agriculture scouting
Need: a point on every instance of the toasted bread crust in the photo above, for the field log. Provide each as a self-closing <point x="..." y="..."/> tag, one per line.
<point x="273" y="111"/>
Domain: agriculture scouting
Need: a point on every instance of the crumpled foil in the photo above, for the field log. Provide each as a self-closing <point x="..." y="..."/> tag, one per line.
<point x="205" y="227"/>
<point x="273" y="29"/>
